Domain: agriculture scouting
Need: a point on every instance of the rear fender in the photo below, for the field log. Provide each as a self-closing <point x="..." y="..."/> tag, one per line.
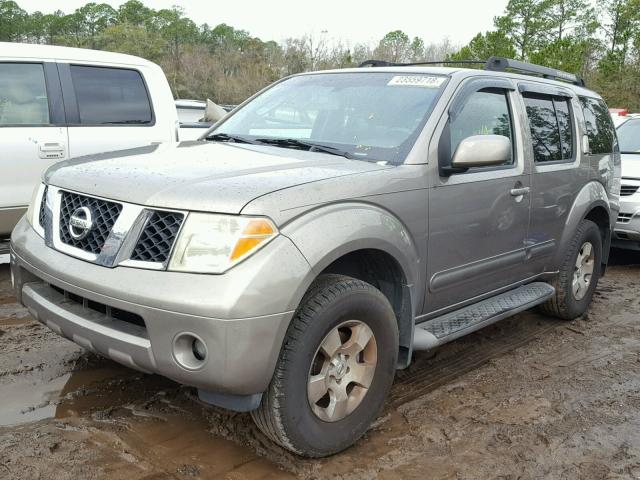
<point x="592" y="195"/>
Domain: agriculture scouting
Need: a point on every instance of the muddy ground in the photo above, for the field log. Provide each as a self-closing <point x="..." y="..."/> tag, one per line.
<point x="530" y="397"/>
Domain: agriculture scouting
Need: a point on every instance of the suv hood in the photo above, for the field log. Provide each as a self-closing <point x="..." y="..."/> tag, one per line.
<point x="631" y="165"/>
<point x="201" y="176"/>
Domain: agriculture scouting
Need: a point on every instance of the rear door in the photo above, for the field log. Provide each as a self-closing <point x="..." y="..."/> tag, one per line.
<point x="108" y="108"/>
<point x="32" y="133"/>
<point x="478" y="220"/>
<point x="558" y="172"/>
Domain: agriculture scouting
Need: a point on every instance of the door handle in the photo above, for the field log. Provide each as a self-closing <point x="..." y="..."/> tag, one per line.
<point x="518" y="192"/>
<point x="51" y="150"/>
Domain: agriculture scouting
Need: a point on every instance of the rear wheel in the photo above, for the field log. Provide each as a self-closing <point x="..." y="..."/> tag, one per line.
<point x="335" y="369"/>
<point x="579" y="274"/>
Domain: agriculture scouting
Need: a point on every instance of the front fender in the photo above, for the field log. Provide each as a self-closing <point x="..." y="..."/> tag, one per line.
<point x="591" y="196"/>
<point x="329" y="232"/>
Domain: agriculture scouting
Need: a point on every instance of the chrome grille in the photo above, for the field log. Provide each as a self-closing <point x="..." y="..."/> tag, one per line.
<point x="43" y="205"/>
<point x="158" y="237"/>
<point x="628" y="190"/>
<point x="625" y="217"/>
<point x="104" y="216"/>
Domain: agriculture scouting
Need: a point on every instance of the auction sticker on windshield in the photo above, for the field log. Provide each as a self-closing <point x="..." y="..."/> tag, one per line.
<point x="425" y="81"/>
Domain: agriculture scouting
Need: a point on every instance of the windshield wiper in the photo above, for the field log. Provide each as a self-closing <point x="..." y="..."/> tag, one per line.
<point x="311" y="146"/>
<point x="225" y="137"/>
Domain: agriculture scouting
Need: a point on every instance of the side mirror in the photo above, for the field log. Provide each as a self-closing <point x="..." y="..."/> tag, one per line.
<point x="481" y="151"/>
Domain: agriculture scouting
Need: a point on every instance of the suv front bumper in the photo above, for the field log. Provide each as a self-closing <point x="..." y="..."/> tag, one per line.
<point x="627" y="230"/>
<point x="138" y="317"/>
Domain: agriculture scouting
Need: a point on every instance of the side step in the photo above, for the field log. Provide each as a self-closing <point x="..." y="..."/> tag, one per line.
<point x="4" y="247"/>
<point x="450" y="326"/>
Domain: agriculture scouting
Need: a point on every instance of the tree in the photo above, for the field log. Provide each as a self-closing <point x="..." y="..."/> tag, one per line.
<point x="621" y="25"/>
<point x="13" y="21"/>
<point x="485" y="45"/>
<point x="526" y="23"/>
<point x="133" y="40"/>
<point x="134" y="12"/>
<point x="567" y="17"/>
<point x="228" y="64"/>
<point x="93" y="19"/>
<point x="394" y="47"/>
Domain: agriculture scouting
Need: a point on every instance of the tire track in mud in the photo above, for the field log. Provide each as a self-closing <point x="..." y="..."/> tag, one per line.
<point x="453" y="360"/>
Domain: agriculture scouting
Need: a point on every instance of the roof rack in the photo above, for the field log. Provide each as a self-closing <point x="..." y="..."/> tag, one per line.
<point x="384" y="63"/>
<point x="495" y="64"/>
<point x="499" y="64"/>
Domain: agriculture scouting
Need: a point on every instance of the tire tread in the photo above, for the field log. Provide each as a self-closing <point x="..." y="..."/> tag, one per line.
<point x="268" y="416"/>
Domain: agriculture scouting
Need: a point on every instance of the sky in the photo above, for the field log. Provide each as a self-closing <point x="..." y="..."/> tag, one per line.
<point x="353" y="21"/>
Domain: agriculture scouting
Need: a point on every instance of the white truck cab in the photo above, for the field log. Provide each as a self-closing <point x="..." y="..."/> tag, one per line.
<point x="58" y="102"/>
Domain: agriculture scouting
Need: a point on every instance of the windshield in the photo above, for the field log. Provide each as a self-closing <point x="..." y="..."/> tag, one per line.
<point x="369" y="116"/>
<point x="629" y="136"/>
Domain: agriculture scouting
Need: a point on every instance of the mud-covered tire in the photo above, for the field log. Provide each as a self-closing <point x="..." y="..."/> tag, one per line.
<point x="285" y="414"/>
<point x="564" y="304"/>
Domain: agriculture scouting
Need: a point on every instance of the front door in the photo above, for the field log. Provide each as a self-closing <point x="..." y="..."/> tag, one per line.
<point x="31" y="137"/>
<point x="478" y="219"/>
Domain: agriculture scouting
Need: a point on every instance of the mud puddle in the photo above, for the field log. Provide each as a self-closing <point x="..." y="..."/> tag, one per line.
<point x="132" y="425"/>
<point x="66" y="413"/>
<point x="530" y="397"/>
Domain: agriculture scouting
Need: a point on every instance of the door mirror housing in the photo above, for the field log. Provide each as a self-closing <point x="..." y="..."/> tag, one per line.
<point x="481" y="151"/>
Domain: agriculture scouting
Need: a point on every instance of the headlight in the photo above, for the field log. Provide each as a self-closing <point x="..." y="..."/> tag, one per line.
<point x="33" y="212"/>
<point x="210" y="243"/>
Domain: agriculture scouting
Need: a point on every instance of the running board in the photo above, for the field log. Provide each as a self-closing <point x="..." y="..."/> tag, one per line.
<point x="450" y="326"/>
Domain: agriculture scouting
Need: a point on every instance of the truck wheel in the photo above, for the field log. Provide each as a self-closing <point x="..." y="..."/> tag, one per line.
<point x="579" y="274"/>
<point x="336" y="366"/>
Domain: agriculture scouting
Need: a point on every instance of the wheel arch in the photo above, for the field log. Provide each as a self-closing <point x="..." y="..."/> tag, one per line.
<point x="591" y="203"/>
<point x="369" y="243"/>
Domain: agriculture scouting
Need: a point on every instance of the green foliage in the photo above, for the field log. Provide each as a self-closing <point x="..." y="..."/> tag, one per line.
<point x="485" y="45"/>
<point x="526" y="23"/>
<point x="394" y="47"/>
<point x="602" y="44"/>
<point x="13" y="21"/>
<point x="227" y="64"/>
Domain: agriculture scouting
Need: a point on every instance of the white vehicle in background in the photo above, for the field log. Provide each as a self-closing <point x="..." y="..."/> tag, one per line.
<point x="621" y="115"/>
<point x="58" y="103"/>
<point x="196" y="116"/>
<point x="627" y="231"/>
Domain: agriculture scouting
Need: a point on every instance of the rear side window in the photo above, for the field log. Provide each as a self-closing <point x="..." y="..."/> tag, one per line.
<point x="599" y="125"/>
<point x="551" y="127"/>
<point x="23" y="95"/>
<point x="111" y="96"/>
<point x="486" y="112"/>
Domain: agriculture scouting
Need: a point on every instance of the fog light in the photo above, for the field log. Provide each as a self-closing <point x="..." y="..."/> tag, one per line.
<point x="189" y="351"/>
<point x="199" y="350"/>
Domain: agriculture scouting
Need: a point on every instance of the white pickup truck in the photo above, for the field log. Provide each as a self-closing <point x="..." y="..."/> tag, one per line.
<point x="58" y="103"/>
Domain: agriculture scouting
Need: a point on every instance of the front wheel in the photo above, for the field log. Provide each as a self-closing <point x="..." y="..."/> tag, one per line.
<point x="335" y="369"/>
<point x="578" y="275"/>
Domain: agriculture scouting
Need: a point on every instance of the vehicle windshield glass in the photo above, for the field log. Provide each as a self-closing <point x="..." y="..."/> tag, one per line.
<point x="629" y="136"/>
<point x="370" y="116"/>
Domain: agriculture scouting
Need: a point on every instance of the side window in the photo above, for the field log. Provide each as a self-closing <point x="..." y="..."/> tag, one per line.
<point x="23" y="95"/>
<point x="551" y="127"/>
<point x="111" y="96"/>
<point x="486" y="112"/>
<point x="599" y="126"/>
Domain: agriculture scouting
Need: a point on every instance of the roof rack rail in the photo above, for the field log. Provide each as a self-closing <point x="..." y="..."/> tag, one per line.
<point x="495" y="64"/>
<point x="500" y="64"/>
<point x="384" y="63"/>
